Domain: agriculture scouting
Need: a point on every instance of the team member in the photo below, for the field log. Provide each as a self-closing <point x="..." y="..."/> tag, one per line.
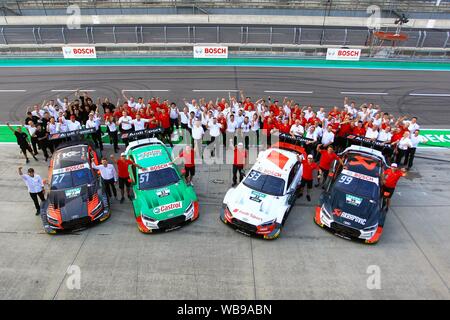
<point x="188" y="156"/>
<point x="390" y="179"/>
<point x="307" y="176"/>
<point x="239" y="157"/>
<point x="214" y="131"/>
<point x="326" y="158"/>
<point x="44" y="144"/>
<point x="22" y="141"/>
<point x="410" y="154"/>
<point x="124" y="176"/>
<point x="94" y="122"/>
<point x="35" y="187"/>
<point x="112" y="132"/>
<point x="109" y="176"/>
<point x="125" y="125"/>
<point x="403" y="146"/>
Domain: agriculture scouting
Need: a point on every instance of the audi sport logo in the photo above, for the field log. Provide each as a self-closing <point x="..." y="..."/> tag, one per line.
<point x="167" y="207"/>
<point x="337" y="212"/>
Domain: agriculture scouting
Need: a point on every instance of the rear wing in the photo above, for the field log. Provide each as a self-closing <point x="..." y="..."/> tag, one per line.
<point x="370" y="144"/>
<point x="141" y="134"/>
<point x="70" y="134"/>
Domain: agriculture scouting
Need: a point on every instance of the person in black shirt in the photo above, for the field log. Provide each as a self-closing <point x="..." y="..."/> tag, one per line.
<point x="22" y="141"/>
<point x="30" y="117"/>
<point x="92" y="107"/>
<point x="42" y="137"/>
<point x="107" y="105"/>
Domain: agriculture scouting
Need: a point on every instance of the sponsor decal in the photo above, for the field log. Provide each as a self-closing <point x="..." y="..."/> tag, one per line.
<point x="156" y="168"/>
<point x="354" y="201"/>
<point x="167" y="207"/>
<point x="248" y="214"/>
<point x="257" y="196"/>
<point x="360" y="176"/>
<point x="79" y="52"/>
<point x="72" y="168"/>
<point x="272" y="173"/>
<point x="163" y="193"/>
<point x="72" y="193"/>
<point x="70" y="154"/>
<point x="343" y="54"/>
<point x="210" y="52"/>
<point x="149" y="154"/>
<point x="278" y="159"/>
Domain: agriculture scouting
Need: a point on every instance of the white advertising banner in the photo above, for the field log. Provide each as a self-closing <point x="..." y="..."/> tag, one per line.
<point x="211" y="52"/>
<point x="343" y="54"/>
<point x="79" y="52"/>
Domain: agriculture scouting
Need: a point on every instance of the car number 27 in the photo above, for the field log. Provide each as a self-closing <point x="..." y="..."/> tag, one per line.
<point x="345" y="179"/>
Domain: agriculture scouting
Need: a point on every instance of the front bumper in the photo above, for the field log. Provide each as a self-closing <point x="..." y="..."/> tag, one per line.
<point x="158" y="226"/>
<point x="54" y="227"/>
<point x="346" y="232"/>
<point x="248" y="229"/>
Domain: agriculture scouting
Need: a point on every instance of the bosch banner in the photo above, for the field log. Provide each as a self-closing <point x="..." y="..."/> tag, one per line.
<point x="343" y="54"/>
<point x="79" y="52"/>
<point x="210" y="52"/>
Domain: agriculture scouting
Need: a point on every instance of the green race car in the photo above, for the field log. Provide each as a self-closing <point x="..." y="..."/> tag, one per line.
<point x="163" y="201"/>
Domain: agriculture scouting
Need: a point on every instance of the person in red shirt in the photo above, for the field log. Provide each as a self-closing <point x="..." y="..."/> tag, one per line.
<point x="390" y="179"/>
<point x="124" y="176"/>
<point x="239" y="157"/>
<point x="307" y="176"/>
<point x="326" y="158"/>
<point x="359" y="130"/>
<point x="164" y="120"/>
<point x="188" y="156"/>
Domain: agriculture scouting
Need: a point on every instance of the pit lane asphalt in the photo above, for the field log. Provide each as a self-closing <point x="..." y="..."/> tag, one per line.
<point x="391" y="89"/>
<point x="208" y="260"/>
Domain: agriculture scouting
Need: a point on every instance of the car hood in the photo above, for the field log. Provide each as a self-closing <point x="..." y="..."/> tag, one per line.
<point x="254" y="207"/>
<point x="72" y="202"/>
<point x="352" y="210"/>
<point x="163" y="203"/>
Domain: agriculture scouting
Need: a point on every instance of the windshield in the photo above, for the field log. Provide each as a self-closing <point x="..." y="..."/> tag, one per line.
<point x="157" y="179"/>
<point x="264" y="183"/>
<point x="71" y="179"/>
<point x="356" y="186"/>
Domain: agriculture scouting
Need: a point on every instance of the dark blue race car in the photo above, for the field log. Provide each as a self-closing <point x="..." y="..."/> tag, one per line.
<point x="351" y="205"/>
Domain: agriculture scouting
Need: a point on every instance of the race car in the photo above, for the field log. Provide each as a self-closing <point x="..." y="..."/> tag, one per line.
<point x="351" y="205"/>
<point x="261" y="203"/>
<point x="77" y="196"/>
<point x="163" y="201"/>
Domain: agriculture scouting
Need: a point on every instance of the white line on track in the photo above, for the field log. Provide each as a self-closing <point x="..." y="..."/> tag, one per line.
<point x="430" y="94"/>
<point x="13" y="90"/>
<point x="292" y="92"/>
<point x="72" y="90"/>
<point x="214" y="90"/>
<point x="365" y="93"/>
<point x="146" y="90"/>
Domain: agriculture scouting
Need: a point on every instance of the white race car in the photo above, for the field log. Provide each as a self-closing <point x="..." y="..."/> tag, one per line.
<point x="261" y="203"/>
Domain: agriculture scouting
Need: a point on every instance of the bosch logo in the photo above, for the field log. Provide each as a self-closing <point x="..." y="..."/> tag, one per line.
<point x="215" y="50"/>
<point x="83" y="51"/>
<point x="348" y="53"/>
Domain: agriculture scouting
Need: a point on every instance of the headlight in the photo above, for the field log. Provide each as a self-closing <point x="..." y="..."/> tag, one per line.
<point x="325" y="212"/>
<point x="266" y="227"/>
<point x="189" y="211"/>
<point x="147" y="218"/>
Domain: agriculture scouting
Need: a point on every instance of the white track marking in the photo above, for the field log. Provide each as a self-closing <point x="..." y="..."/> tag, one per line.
<point x="292" y="92"/>
<point x="365" y="93"/>
<point x="430" y="94"/>
<point x="214" y="90"/>
<point x="13" y="90"/>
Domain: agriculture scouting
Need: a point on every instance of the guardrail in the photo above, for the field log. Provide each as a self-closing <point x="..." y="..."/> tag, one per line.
<point x="227" y="34"/>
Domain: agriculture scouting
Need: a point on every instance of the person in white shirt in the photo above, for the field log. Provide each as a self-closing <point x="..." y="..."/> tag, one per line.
<point x="413" y="126"/>
<point x="109" y="176"/>
<point x="327" y="137"/>
<point x="31" y="127"/>
<point x="139" y="123"/>
<point x="214" y="131"/>
<point x="297" y="129"/>
<point x="232" y="126"/>
<point x="35" y="187"/>
<point x="61" y="125"/>
<point x="385" y="135"/>
<point x="94" y="122"/>
<point x="125" y="125"/>
<point x="239" y="118"/>
<point x="415" y="140"/>
<point x="197" y="135"/>
<point x="308" y="113"/>
<point x="321" y="114"/>
<point x="245" y="132"/>
<point x="174" y="116"/>
<point x="73" y="124"/>
<point x="372" y="133"/>
<point x="112" y="132"/>
<point x="402" y="146"/>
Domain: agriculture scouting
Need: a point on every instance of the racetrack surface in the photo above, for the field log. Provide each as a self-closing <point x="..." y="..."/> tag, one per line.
<point x="208" y="260"/>
<point x="425" y="94"/>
